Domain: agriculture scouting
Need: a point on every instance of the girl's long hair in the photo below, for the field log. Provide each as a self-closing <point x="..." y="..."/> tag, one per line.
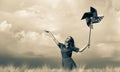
<point x="71" y="42"/>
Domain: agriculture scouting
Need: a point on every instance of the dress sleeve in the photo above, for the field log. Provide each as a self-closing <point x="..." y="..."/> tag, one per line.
<point x="61" y="45"/>
<point x="76" y="49"/>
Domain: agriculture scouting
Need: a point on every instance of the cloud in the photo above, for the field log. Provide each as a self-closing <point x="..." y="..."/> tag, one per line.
<point x="5" y="26"/>
<point x="27" y="30"/>
<point x="32" y="62"/>
<point x="23" y="13"/>
<point x="27" y="36"/>
<point x="107" y="48"/>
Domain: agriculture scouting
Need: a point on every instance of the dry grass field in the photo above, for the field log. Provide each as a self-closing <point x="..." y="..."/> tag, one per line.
<point x="24" y="68"/>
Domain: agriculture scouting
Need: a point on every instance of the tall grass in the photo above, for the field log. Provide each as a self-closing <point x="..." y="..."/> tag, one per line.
<point x="24" y="68"/>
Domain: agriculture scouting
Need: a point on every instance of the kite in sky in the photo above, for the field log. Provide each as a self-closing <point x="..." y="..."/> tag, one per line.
<point x="91" y="18"/>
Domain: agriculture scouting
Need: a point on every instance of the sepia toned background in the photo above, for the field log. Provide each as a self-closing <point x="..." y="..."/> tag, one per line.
<point x="23" y="40"/>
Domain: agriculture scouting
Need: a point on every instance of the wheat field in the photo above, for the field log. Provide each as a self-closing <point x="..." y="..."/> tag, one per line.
<point x="24" y="68"/>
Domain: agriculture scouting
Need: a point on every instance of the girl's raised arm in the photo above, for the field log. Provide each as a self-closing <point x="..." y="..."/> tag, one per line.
<point x="52" y="36"/>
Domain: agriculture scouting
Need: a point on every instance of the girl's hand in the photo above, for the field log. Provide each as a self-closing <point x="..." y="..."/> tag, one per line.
<point x="47" y="31"/>
<point x="88" y="45"/>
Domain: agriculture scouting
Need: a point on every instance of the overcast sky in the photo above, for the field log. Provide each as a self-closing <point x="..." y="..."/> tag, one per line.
<point x="22" y="25"/>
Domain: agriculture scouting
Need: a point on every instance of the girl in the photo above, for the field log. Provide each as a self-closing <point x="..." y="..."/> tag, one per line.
<point x="66" y="51"/>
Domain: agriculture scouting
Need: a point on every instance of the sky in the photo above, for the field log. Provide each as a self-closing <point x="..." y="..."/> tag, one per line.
<point x="23" y="40"/>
